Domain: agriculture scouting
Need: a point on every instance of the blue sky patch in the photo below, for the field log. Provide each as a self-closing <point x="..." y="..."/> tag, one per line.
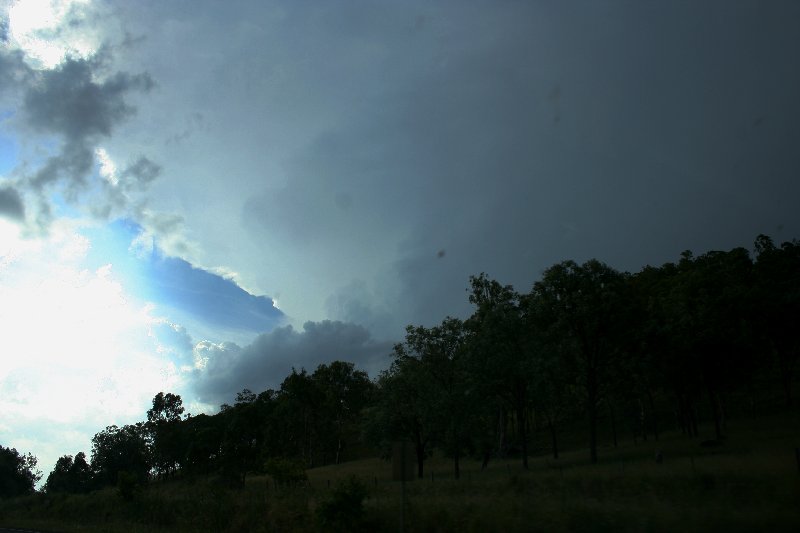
<point x="186" y="293"/>
<point x="217" y="300"/>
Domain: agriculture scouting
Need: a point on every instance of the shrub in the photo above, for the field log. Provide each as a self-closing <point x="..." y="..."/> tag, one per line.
<point x="344" y="511"/>
<point x="127" y="484"/>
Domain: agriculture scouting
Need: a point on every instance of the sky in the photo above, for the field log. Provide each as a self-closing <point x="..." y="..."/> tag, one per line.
<point x="197" y="196"/>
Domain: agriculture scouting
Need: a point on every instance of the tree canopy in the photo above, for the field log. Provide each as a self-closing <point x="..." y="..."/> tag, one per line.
<point x="18" y="473"/>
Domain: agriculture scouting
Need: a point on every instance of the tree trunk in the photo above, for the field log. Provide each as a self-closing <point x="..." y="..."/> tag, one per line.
<point x="420" y="447"/>
<point x="591" y="390"/>
<point x="552" y="429"/>
<point x="456" y="470"/>
<point x="693" y="420"/>
<point x="786" y="378"/>
<point x="523" y="433"/>
<point x="613" y="424"/>
<point x="715" y="413"/>
<point x="642" y="419"/>
<point x="681" y="416"/>
<point x="653" y="413"/>
<point x="501" y="432"/>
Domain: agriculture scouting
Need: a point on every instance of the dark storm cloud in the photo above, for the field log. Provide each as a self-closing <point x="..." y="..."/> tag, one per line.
<point x="524" y="135"/>
<point x="74" y="162"/>
<point x="140" y="173"/>
<point x="11" y="205"/>
<point x="440" y="147"/>
<point x="270" y="358"/>
<point x="359" y="304"/>
<point x="78" y="104"/>
<point x="69" y="101"/>
<point x="13" y="71"/>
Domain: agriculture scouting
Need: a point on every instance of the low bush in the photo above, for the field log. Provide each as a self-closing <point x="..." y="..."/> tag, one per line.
<point x="344" y="510"/>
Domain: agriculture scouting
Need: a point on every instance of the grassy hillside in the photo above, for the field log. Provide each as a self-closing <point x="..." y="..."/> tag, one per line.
<point x="749" y="483"/>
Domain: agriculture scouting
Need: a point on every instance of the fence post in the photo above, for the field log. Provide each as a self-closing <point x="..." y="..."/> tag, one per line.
<point x="403" y="490"/>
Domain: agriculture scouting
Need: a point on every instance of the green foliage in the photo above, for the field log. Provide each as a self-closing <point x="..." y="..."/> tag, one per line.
<point x="202" y="435"/>
<point x="120" y="449"/>
<point x="166" y="408"/>
<point x="437" y="360"/>
<point x="405" y="408"/>
<point x="345" y="393"/>
<point x="500" y="361"/>
<point x="344" y="509"/>
<point x="581" y="311"/>
<point x="242" y="439"/>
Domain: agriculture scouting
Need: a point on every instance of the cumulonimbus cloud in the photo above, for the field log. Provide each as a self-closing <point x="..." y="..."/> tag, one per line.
<point x="227" y="368"/>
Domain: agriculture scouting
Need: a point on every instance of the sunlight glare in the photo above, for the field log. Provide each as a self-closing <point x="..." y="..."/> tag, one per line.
<point x="74" y="343"/>
<point x="43" y="29"/>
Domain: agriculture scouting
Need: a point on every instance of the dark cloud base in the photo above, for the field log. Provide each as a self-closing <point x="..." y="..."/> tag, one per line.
<point x="11" y="205"/>
<point x="271" y="357"/>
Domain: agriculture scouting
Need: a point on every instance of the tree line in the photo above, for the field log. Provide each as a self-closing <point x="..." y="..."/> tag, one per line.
<point x="697" y="339"/>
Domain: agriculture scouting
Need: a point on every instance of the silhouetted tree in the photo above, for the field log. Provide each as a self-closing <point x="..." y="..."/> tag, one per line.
<point x="777" y="273"/>
<point x="241" y="442"/>
<point x="18" y="473"/>
<point x="70" y="475"/>
<point x="709" y="302"/>
<point x="584" y="303"/>
<point x="405" y="408"/>
<point x="298" y="412"/>
<point x="164" y="432"/>
<point x="202" y="435"/>
<point x="498" y="351"/>
<point x="440" y="353"/>
<point x="120" y="449"/>
<point x="345" y="392"/>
